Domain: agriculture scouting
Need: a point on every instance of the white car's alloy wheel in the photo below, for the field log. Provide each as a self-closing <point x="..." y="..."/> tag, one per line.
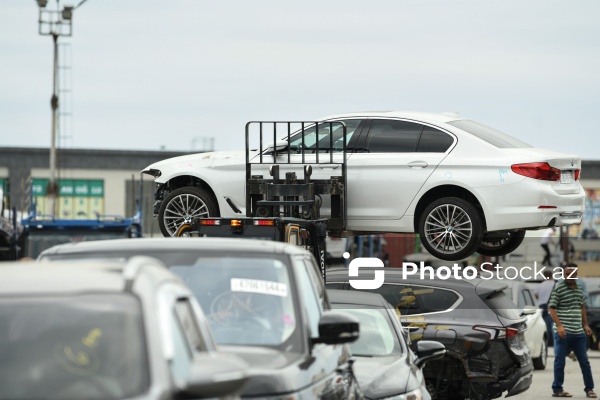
<point x="495" y="246"/>
<point x="183" y="204"/>
<point x="450" y="228"/>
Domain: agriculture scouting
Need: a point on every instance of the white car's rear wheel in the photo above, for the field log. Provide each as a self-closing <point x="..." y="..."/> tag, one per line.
<point x="183" y="204"/>
<point x="500" y="244"/>
<point x="540" y="362"/>
<point x="450" y="228"/>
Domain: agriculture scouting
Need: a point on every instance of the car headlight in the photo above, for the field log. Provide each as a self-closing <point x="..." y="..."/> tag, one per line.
<point x="412" y="395"/>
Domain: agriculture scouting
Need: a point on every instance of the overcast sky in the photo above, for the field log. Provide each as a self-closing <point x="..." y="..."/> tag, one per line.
<point x="167" y="74"/>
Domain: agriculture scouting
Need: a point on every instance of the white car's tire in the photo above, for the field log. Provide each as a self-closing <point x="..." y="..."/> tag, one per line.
<point x="540" y="362"/>
<point x="501" y="246"/>
<point x="181" y="205"/>
<point x="450" y="228"/>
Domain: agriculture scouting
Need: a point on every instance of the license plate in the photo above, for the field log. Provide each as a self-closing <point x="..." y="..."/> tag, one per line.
<point x="566" y="177"/>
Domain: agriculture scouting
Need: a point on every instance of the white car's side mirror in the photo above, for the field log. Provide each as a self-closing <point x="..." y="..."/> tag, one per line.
<point x="277" y="146"/>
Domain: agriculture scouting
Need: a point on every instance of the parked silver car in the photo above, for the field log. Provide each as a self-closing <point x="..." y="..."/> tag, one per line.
<point x="103" y="331"/>
<point x="265" y="301"/>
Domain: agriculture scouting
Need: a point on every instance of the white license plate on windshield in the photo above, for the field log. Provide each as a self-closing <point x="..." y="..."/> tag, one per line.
<point x="566" y="177"/>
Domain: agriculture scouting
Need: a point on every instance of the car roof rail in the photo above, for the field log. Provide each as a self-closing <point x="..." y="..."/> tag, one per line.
<point x="132" y="269"/>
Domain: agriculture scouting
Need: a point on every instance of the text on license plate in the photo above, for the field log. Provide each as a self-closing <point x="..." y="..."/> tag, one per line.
<point x="566" y="176"/>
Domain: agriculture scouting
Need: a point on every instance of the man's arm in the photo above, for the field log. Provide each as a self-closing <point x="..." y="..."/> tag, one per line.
<point x="559" y="326"/>
<point x="586" y="327"/>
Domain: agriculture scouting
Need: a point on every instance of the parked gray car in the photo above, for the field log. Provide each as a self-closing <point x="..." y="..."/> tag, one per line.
<point x="385" y="366"/>
<point x="486" y="354"/>
<point x="103" y="331"/>
<point x="265" y="301"/>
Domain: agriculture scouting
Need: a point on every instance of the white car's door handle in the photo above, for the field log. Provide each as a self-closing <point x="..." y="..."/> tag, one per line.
<point x="331" y="166"/>
<point x="418" y="164"/>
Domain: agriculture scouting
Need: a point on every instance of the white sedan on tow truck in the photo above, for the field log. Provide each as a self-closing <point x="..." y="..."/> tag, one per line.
<point x="463" y="186"/>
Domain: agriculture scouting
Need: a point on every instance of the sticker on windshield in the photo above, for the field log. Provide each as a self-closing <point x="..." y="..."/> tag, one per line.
<point x="258" y="286"/>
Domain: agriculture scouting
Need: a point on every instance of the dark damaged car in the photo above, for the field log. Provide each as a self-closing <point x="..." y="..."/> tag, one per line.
<point x="486" y="354"/>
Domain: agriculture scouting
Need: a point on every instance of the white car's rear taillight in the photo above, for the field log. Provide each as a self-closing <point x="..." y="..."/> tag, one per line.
<point x="538" y="170"/>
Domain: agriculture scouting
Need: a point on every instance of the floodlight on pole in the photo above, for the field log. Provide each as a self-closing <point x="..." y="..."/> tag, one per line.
<point x="54" y="23"/>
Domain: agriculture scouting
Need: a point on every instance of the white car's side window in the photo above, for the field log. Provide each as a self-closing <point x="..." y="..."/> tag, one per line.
<point x="393" y="136"/>
<point x="310" y="136"/>
<point x="434" y="141"/>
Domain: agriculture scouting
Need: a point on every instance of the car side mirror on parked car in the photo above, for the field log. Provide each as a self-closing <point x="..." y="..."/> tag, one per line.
<point x="217" y="375"/>
<point x="529" y="310"/>
<point x="337" y="327"/>
<point x="428" y="350"/>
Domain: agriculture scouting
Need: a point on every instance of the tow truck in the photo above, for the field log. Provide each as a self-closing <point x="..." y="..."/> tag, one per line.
<point x="42" y="231"/>
<point x="38" y="232"/>
<point x="287" y="208"/>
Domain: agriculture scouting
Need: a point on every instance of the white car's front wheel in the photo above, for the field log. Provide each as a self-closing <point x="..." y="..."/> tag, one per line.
<point x="450" y="228"/>
<point x="183" y="204"/>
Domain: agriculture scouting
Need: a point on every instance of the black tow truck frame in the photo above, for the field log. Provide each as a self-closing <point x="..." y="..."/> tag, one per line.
<point x="288" y="209"/>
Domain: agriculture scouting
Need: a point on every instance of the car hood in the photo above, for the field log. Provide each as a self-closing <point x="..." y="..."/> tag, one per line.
<point x="381" y="377"/>
<point x="192" y="161"/>
<point x="271" y="371"/>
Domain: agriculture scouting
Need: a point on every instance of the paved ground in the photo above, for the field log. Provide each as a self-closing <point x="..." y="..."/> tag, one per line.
<point x="542" y="380"/>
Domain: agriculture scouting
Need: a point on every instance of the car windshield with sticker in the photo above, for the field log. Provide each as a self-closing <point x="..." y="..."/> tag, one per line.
<point x="248" y="301"/>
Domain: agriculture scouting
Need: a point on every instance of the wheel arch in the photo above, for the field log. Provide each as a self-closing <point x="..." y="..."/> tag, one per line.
<point x="446" y="191"/>
<point x="180" y="181"/>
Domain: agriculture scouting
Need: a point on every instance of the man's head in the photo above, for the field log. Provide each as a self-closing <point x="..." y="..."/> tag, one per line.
<point x="570" y="272"/>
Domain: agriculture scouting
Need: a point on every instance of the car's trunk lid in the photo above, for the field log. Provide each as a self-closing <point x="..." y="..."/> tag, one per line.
<point x="568" y="164"/>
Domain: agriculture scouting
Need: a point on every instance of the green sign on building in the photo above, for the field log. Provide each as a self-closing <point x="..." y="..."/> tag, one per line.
<point x="77" y="198"/>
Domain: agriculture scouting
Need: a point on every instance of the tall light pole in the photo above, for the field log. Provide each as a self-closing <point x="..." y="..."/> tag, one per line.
<point x="54" y="23"/>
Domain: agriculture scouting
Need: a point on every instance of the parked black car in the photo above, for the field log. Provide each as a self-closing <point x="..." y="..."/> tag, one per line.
<point x="104" y="331"/>
<point x="476" y="321"/>
<point x="385" y="366"/>
<point x="265" y="301"/>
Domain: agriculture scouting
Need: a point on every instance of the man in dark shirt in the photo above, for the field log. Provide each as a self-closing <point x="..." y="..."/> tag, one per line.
<point x="567" y="308"/>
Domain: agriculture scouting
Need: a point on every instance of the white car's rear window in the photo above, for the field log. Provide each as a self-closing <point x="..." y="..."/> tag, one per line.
<point x="490" y="135"/>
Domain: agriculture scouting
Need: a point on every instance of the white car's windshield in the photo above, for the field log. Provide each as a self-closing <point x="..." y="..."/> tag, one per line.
<point x="490" y="135"/>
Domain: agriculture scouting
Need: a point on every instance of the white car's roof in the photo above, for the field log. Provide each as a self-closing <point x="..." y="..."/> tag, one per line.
<point x="420" y="116"/>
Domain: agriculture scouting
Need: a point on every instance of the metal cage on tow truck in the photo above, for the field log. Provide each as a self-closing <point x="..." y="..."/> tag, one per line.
<point x="289" y="208"/>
